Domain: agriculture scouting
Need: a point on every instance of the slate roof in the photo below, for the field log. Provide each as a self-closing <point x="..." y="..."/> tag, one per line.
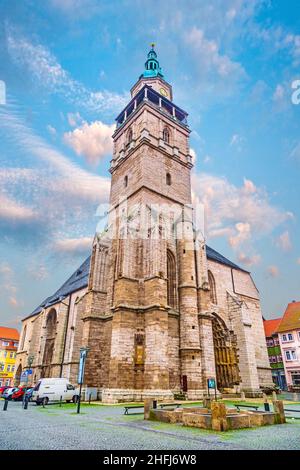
<point x="215" y="256"/>
<point x="79" y="280"/>
<point x="291" y="318"/>
<point x="271" y="326"/>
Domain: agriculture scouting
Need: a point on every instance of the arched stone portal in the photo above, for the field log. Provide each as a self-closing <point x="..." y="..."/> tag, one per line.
<point x="49" y="344"/>
<point x="226" y="359"/>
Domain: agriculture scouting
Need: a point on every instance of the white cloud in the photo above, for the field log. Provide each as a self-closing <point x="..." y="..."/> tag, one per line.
<point x="249" y="260"/>
<point x="284" y="242"/>
<point x="273" y="271"/>
<point x="193" y="155"/>
<point x="279" y="93"/>
<point x="243" y="214"/>
<point x="51" y="130"/>
<point x="48" y="73"/>
<point x="237" y="142"/>
<point x="208" y="57"/>
<point x="93" y="141"/>
<point x="243" y="233"/>
<point x="73" y="245"/>
<point x="13" y="302"/>
<point x="14" y="211"/>
<point x="74" y="119"/>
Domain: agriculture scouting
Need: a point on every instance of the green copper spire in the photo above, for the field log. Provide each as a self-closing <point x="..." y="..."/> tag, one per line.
<point x="152" y="68"/>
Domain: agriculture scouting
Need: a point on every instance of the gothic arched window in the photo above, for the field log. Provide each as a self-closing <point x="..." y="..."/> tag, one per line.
<point x="171" y="280"/>
<point x="168" y="179"/>
<point x="212" y="287"/>
<point x="166" y="135"/>
<point x="129" y="136"/>
<point x="23" y="337"/>
<point x="126" y="181"/>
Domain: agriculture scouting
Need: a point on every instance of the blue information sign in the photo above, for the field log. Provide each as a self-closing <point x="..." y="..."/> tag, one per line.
<point x="83" y="354"/>
<point x="211" y="383"/>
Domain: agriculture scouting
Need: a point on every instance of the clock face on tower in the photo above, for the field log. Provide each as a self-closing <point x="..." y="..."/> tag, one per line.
<point x="163" y="92"/>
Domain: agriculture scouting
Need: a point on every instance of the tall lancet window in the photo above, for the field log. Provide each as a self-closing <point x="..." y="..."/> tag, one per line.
<point x="212" y="286"/>
<point x="129" y="136"/>
<point x="171" y="280"/>
<point x="166" y="135"/>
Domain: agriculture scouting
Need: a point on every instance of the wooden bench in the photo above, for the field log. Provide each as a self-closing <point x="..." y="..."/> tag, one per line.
<point x="132" y="407"/>
<point x="246" y="406"/>
<point x="162" y="405"/>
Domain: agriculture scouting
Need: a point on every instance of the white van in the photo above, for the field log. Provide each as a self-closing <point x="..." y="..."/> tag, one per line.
<point x="53" y="390"/>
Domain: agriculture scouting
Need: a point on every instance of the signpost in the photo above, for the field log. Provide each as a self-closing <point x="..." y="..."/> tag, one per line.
<point x="83" y="356"/>
<point x="211" y="384"/>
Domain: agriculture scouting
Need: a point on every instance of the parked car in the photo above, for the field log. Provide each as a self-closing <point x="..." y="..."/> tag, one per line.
<point x="54" y="389"/>
<point x="7" y="395"/>
<point x="19" y="394"/>
<point x="2" y="389"/>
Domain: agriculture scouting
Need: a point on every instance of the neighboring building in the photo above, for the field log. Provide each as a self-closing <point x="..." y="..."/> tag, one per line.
<point x="274" y="352"/>
<point x="160" y="311"/>
<point x="9" y="341"/>
<point x="289" y="338"/>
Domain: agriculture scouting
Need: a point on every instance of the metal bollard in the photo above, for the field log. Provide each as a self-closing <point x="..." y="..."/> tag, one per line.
<point x="60" y="401"/>
<point x="90" y="396"/>
<point x="5" y="405"/>
<point x="26" y="403"/>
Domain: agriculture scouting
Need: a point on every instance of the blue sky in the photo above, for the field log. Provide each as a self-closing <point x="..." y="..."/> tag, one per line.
<point x="68" y="66"/>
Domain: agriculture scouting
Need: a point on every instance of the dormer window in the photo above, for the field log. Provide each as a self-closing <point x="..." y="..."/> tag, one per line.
<point x="166" y="135"/>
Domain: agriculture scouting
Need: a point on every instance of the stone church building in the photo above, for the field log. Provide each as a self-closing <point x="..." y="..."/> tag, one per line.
<point x="159" y="310"/>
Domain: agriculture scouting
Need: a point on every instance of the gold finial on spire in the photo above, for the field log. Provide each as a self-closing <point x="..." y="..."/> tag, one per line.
<point x="152" y="45"/>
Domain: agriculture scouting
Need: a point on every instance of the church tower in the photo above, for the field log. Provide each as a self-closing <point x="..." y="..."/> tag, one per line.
<point x="160" y="312"/>
<point x="152" y="282"/>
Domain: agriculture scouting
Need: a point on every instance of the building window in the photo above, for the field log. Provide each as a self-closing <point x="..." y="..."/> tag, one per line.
<point x="126" y="181"/>
<point x="7" y="382"/>
<point x="5" y="354"/>
<point x="8" y="368"/>
<point x="23" y="337"/>
<point x="279" y="358"/>
<point x="166" y="135"/>
<point x="212" y="287"/>
<point x="287" y="337"/>
<point x="5" y="343"/>
<point x="11" y="355"/>
<point x="296" y="377"/>
<point x="1" y="367"/>
<point x="129" y="136"/>
<point x="13" y="368"/>
<point x="168" y="179"/>
<point x="171" y="281"/>
<point x="276" y="341"/>
<point x="270" y="343"/>
<point x="290" y="355"/>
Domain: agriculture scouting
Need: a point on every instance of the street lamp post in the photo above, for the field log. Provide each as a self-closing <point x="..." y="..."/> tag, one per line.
<point x="29" y="364"/>
<point x="83" y="356"/>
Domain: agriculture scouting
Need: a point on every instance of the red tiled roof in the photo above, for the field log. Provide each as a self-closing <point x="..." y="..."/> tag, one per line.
<point x="271" y="326"/>
<point x="291" y="318"/>
<point x="9" y="333"/>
